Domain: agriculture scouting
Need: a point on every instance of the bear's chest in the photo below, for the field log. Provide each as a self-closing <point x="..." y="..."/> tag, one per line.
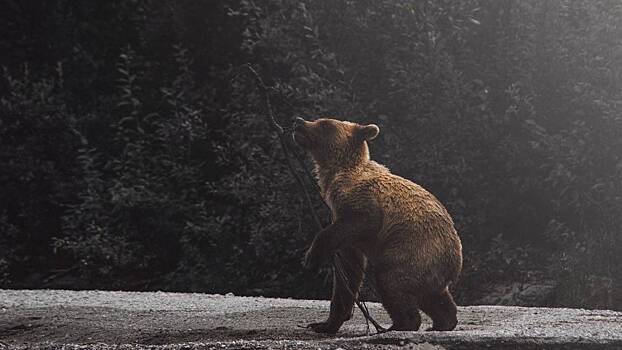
<point x="339" y="195"/>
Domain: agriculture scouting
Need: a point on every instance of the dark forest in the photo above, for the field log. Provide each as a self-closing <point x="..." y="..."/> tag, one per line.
<point x="135" y="151"/>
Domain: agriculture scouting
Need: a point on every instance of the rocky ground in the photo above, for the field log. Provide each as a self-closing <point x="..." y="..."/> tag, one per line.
<point x="50" y="319"/>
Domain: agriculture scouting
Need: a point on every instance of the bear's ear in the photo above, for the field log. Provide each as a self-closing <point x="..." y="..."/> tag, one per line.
<point x="369" y="132"/>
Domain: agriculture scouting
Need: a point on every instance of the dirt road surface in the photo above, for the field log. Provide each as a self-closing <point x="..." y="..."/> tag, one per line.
<point x="59" y="319"/>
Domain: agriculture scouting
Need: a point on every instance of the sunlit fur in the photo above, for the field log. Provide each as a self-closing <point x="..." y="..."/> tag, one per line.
<point x="401" y="229"/>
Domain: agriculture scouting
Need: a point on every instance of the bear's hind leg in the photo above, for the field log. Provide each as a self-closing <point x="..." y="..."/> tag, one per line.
<point x="401" y="306"/>
<point x="442" y="310"/>
<point x="404" y="312"/>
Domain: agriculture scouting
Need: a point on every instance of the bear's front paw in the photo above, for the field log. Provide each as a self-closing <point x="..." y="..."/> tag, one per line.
<point x="326" y="327"/>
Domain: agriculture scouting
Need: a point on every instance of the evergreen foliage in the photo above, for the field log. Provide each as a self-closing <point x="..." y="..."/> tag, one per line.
<point x="135" y="151"/>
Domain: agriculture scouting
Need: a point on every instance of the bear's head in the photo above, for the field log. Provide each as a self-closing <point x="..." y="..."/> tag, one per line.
<point x="334" y="143"/>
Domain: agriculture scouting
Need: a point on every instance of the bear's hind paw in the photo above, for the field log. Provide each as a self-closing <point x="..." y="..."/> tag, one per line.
<point x="324" y="327"/>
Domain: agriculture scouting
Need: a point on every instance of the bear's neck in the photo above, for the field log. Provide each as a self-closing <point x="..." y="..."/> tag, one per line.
<point x="327" y="169"/>
<point x="326" y="173"/>
<point x="325" y="177"/>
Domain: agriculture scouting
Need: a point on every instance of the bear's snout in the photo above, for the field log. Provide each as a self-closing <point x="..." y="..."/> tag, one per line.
<point x="300" y="134"/>
<point x="298" y="122"/>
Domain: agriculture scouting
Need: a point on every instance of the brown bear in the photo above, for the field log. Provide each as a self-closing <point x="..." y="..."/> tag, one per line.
<point x="393" y="224"/>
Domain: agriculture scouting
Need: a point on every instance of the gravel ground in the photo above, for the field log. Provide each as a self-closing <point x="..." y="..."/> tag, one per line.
<point x="50" y="319"/>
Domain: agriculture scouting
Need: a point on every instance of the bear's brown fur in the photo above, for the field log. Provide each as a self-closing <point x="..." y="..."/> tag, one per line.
<point x="401" y="229"/>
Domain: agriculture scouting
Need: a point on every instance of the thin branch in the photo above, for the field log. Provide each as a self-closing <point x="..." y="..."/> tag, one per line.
<point x="310" y="177"/>
<point x="280" y="131"/>
<point x="281" y="135"/>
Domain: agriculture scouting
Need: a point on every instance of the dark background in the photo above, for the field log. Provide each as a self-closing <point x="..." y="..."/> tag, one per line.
<point x="135" y="152"/>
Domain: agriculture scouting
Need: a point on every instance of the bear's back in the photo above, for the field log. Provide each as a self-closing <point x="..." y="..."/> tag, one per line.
<point x="414" y="227"/>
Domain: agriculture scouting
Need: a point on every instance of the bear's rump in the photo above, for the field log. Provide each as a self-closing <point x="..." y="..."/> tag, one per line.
<point x="429" y="259"/>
